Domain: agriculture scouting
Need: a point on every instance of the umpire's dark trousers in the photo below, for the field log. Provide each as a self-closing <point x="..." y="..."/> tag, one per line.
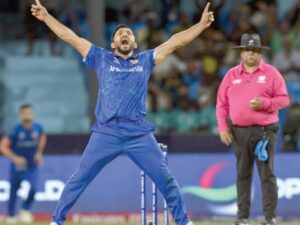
<point x="245" y="139"/>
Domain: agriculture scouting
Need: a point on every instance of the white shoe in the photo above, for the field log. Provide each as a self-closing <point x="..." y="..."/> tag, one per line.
<point x="190" y="223"/>
<point x="53" y="223"/>
<point x="25" y="216"/>
<point x="11" y="220"/>
<point x="242" y="221"/>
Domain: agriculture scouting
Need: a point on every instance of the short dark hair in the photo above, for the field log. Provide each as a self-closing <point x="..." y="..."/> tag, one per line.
<point x="25" y="106"/>
<point x="122" y="25"/>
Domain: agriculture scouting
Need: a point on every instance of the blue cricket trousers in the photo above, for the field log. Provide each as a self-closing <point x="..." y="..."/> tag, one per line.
<point x="143" y="150"/>
<point x="16" y="177"/>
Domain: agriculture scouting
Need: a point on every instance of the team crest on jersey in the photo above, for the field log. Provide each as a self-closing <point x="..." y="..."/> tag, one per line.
<point x="134" y="61"/>
<point x="21" y="135"/>
<point x="34" y="135"/>
<point x="261" y="79"/>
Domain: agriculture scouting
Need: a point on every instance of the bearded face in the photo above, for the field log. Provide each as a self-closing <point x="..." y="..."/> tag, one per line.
<point x="124" y="41"/>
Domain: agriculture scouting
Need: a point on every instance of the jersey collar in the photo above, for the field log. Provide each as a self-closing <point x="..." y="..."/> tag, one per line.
<point x="134" y="56"/>
<point x="262" y="67"/>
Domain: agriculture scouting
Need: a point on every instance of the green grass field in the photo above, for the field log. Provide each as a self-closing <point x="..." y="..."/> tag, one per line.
<point x="196" y="223"/>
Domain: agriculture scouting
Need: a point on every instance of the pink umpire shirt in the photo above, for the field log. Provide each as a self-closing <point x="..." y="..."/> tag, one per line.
<point x="239" y="87"/>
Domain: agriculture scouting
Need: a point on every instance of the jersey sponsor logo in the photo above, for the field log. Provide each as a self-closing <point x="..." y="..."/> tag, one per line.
<point x="261" y="79"/>
<point x="237" y="81"/>
<point x="27" y="144"/>
<point x="126" y="70"/>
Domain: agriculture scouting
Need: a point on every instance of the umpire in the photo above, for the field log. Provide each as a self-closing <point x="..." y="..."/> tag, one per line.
<point x="251" y="94"/>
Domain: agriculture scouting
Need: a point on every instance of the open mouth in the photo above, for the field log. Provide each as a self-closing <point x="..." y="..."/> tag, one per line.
<point x="124" y="42"/>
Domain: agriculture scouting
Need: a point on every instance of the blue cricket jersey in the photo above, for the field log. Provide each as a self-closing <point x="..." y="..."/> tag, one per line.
<point x="123" y="87"/>
<point x="25" y="142"/>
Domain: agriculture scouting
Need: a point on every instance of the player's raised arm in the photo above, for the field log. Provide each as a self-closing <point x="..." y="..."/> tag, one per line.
<point x="182" y="38"/>
<point x="80" y="44"/>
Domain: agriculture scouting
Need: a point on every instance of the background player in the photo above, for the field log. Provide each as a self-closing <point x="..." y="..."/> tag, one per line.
<point x="24" y="146"/>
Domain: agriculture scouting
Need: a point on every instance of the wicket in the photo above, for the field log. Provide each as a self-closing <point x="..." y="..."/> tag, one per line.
<point x="154" y="221"/>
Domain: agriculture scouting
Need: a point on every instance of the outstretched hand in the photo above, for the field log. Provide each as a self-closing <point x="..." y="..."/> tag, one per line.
<point x="207" y="16"/>
<point x="39" y="11"/>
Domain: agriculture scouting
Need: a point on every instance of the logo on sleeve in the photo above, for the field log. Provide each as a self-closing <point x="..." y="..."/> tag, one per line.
<point x="261" y="79"/>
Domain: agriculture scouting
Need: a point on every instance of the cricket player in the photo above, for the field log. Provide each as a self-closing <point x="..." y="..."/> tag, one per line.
<point x="120" y="127"/>
<point x="24" y="146"/>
